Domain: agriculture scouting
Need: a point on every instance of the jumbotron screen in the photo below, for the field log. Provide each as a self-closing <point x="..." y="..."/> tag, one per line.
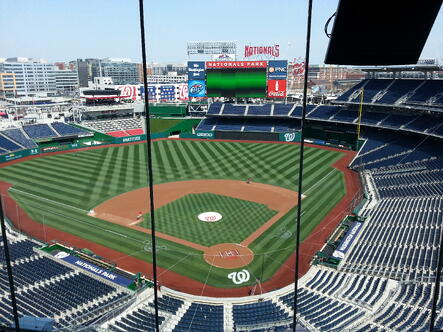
<point x="236" y="82"/>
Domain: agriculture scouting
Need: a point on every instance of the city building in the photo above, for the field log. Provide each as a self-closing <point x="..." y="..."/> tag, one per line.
<point x="66" y="81"/>
<point x="167" y="69"/>
<point x="7" y="85"/>
<point x="122" y="71"/>
<point x="87" y="69"/>
<point x="33" y="77"/>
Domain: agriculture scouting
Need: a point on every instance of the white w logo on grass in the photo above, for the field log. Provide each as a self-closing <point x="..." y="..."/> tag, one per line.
<point x="289" y="137"/>
<point x="239" y="277"/>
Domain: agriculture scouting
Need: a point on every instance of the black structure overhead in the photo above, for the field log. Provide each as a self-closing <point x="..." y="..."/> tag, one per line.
<point x="380" y="32"/>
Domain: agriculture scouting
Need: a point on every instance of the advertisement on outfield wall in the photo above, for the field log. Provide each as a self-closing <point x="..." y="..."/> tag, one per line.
<point x="197" y="89"/>
<point x="277" y="69"/>
<point x="196" y="70"/>
<point x="276" y="88"/>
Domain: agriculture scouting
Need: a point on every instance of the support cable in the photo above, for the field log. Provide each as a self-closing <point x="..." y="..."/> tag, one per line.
<point x="300" y="174"/>
<point x="149" y="163"/>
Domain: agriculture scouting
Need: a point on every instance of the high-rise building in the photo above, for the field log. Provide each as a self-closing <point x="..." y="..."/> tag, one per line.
<point x="87" y="69"/>
<point x="60" y="65"/>
<point x="66" y="81"/>
<point x="122" y="71"/>
<point x="33" y="77"/>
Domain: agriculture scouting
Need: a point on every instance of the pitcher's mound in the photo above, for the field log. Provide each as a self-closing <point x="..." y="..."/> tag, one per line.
<point x="228" y="255"/>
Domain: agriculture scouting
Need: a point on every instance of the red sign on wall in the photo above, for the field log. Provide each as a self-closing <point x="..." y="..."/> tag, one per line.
<point x="235" y="64"/>
<point x="276" y="88"/>
<point x="273" y="51"/>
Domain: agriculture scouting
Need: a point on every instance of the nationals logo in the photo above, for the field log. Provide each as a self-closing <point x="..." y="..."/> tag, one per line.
<point x="129" y="91"/>
<point x="183" y="92"/>
<point x="239" y="277"/>
<point x="273" y="51"/>
<point x="298" y="67"/>
<point x="289" y="137"/>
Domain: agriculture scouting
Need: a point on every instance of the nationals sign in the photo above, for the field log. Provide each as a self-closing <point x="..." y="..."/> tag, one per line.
<point x="273" y="51"/>
<point x="235" y="64"/>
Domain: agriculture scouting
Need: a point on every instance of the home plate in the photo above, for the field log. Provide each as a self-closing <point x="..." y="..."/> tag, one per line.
<point x="210" y="216"/>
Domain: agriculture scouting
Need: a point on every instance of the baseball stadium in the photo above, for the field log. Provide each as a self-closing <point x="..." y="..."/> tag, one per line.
<point x="239" y="209"/>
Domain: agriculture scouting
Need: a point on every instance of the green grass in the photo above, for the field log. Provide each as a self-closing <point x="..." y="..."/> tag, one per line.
<point x="180" y="218"/>
<point x="160" y="125"/>
<point x="57" y="190"/>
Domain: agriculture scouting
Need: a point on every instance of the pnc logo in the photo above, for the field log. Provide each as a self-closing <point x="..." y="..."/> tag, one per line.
<point x="239" y="277"/>
<point x="196" y="88"/>
<point x="289" y="137"/>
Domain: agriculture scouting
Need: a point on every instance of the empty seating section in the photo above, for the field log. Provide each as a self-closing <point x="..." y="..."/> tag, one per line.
<point x="426" y="91"/>
<point x="397" y="120"/>
<point x="402" y="92"/>
<point x="18" y="249"/>
<point x="7" y="145"/>
<point x="298" y="111"/>
<point x="282" y="109"/>
<point x="258" y="313"/>
<point x="230" y="124"/>
<point x="168" y="304"/>
<point x="247" y="124"/>
<point x="207" y="124"/>
<point x="324" y="312"/>
<point x="258" y="125"/>
<point x="324" y="112"/>
<point x="345" y="115"/>
<point x="345" y="96"/>
<point x="138" y="320"/>
<point x="423" y="123"/>
<point x="18" y="136"/>
<point x="215" y="108"/>
<point x="46" y="288"/>
<point x="230" y="109"/>
<point x="373" y="118"/>
<point x="264" y="110"/>
<point x="134" y="131"/>
<point x="39" y="131"/>
<point x="118" y="133"/>
<point x="397" y="149"/>
<point x="286" y="125"/>
<point x="64" y="129"/>
<point x="117" y="125"/>
<point x="372" y="88"/>
<point x="201" y="317"/>
<point x="398" y="89"/>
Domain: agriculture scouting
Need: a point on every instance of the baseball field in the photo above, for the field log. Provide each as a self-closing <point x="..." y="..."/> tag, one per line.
<point x="100" y="195"/>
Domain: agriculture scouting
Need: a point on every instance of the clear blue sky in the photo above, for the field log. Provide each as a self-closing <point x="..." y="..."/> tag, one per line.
<point x="63" y="30"/>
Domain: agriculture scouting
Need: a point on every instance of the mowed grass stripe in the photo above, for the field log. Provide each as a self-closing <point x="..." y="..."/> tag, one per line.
<point x="268" y="163"/>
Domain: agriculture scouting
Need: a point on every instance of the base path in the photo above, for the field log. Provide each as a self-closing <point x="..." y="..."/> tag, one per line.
<point x="124" y="209"/>
<point x="283" y="277"/>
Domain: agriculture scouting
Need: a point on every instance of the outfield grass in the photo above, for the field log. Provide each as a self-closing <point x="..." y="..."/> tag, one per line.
<point x="57" y="190"/>
<point x="160" y="125"/>
<point x="180" y="218"/>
